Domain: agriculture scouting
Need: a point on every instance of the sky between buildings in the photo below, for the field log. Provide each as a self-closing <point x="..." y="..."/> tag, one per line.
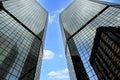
<point x="54" y="65"/>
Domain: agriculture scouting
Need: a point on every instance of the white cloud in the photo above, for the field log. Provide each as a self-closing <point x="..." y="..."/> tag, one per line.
<point x="48" y="55"/>
<point x="52" y="18"/>
<point x="62" y="74"/>
<point x="59" y="11"/>
<point x="65" y="70"/>
<point x="60" y="55"/>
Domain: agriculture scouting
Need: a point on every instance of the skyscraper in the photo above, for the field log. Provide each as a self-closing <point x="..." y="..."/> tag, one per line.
<point x="79" y="22"/>
<point x="105" y="53"/>
<point x="22" y="33"/>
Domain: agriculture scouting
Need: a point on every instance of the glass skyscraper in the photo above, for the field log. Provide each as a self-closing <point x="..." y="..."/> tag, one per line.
<point x="79" y="22"/>
<point x="105" y="57"/>
<point x="22" y="33"/>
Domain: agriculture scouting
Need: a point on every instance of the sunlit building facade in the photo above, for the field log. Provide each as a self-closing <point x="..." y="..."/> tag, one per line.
<point x="22" y="33"/>
<point x="79" y="22"/>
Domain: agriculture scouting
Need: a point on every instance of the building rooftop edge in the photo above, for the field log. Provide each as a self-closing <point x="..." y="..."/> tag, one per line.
<point x="67" y="6"/>
<point x="107" y="3"/>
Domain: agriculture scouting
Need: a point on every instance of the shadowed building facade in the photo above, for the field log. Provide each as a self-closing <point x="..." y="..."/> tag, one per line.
<point x="79" y="22"/>
<point x="22" y="33"/>
<point x="105" y="57"/>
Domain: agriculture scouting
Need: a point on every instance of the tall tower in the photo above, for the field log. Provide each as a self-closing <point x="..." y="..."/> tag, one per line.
<point x="105" y="53"/>
<point x="79" y="22"/>
<point x="22" y="33"/>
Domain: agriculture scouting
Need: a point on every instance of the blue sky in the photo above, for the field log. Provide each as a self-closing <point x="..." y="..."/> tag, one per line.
<point x="54" y="65"/>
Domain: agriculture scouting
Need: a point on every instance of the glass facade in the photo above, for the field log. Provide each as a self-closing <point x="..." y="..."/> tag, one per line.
<point x="79" y="22"/>
<point x="105" y="53"/>
<point x="21" y="48"/>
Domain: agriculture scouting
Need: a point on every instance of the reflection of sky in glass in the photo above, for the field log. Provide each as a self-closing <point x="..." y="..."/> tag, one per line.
<point x="84" y="39"/>
<point x="14" y="39"/>
<point x="113" y="1"/>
